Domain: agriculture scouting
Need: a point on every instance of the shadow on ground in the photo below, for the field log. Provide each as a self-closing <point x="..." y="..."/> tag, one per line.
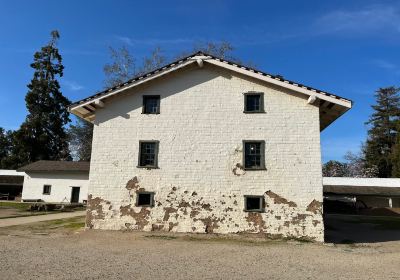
<point x="348" y="229"/>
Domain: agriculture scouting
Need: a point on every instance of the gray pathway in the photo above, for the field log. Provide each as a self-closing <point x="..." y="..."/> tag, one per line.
<point x="40" y="218"/>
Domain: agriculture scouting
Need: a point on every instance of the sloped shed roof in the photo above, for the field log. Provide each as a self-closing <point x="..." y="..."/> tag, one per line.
<point x="59" y="166"/>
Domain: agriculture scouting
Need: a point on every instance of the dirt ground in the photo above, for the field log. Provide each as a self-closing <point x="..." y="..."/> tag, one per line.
<point x="61" y="249"/>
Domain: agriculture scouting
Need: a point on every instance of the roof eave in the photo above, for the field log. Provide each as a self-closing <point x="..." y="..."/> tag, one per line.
<point x="86" y="108"/>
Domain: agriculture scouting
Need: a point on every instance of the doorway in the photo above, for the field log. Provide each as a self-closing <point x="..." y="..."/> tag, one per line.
<point x="75" y="194"/>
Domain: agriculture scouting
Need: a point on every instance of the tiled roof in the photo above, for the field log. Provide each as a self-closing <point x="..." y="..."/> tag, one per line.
<point x="175" y="63"/>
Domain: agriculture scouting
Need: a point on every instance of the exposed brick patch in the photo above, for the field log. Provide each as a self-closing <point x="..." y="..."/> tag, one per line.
<point x="315" y="207"/>
<point x="299" y="218"/>
<point x="95" y="210"/>
<point x="141" y="217"/>
<point x="280" y="200"/>
<point x="167" y="212"/>
<point x="133" y="184"/>
<point x="256" y="220"/>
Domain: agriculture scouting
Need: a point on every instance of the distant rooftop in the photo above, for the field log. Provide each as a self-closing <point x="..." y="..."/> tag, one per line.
<point x="365" y="182"/>
<point x="49" y="165"/>
<point x="362" y="186"/>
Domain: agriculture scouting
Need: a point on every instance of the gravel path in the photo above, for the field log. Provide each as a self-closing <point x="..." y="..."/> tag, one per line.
<point x="33" y="219"/>
<point x="134" y="255"/>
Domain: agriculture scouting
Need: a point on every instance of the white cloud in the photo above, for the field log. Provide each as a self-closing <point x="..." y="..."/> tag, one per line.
<point x="365" y="20"/>
<point x="384" y="64"/>
<point x="72" y="85"/>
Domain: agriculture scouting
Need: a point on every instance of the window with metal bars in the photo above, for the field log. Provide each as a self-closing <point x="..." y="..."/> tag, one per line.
<point x="253" y="102"/>
<point x="151" y="104"/>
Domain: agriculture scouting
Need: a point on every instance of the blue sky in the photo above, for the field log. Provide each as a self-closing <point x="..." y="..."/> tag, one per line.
<point x="349" y="48"/>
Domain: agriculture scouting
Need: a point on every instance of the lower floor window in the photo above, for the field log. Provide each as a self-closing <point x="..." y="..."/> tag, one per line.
<point x="46" y="189"/>
<point x="145" y="199"/>
<point x="253" y="203"/>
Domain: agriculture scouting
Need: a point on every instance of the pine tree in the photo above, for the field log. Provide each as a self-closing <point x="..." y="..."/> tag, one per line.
<point x="42" y="136"/>
<point x="396" y="157"/>
<point x="334" y="168"/>
<point x="5" y="147"/>
<point x="383" y="131"/>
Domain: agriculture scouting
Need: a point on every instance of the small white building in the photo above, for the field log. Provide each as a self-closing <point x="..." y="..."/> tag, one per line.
<point x="56" y="181"/>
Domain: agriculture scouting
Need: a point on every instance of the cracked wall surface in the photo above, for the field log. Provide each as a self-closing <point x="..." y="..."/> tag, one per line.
<point x="201" y="182"/>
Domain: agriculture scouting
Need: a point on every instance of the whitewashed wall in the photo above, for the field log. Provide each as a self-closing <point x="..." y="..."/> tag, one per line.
<point x="61" y="183"/>
<point x="199" y="185"/>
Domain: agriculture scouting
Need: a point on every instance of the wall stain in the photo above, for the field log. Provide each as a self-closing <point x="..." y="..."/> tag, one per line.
<point x="238" y="170"/>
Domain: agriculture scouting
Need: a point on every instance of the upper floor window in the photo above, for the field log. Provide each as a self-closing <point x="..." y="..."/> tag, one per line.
<point x="253" y="155"/>
<point x="151" y="104"/>
<point x="46" y="189"/>
<point x="254" y="102"/>
<point x="148" y="154"/>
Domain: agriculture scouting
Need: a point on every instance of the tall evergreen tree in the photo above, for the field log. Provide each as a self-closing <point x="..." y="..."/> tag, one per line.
<point x="42" y="136"/>
<point x="396" y="157"/>
<point x="384" y="123"/>
<point x="5" y="147"/>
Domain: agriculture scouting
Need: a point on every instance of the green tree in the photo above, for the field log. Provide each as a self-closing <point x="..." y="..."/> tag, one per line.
<point x="5" y="148"/>
<point x="80" y="137"/>
<point x="383" y="131"/>
<point x="42" y="136"/>
<point x="334" y="168"/>
<point x="396" y="157"/>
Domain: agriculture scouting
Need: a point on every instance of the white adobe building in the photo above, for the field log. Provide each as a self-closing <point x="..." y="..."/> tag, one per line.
<point x="206" y="145"/>
<point x="56" y="181"/>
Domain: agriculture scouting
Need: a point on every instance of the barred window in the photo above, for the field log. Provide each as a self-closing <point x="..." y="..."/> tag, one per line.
<point x="151" y="104"/>
<point x="253" y="102"/>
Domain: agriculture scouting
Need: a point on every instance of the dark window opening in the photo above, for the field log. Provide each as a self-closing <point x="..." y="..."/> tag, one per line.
<point x="148" y="154"/>
<point x="46" y="189"/>
<point x="253" y="203"/>
<point x="254" y="155"/>
<point x="145" y="199"/>
<point x="151" y="104"/>
<point x="253" y="102"/>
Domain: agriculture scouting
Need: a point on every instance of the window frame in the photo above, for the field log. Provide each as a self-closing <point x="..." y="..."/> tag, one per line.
<point x="46" y="193"/>
<point x="151" y="199"/>
<point x="156" y="148"/>
<point x="262" y="203"/>
<point x="252" y="93"/>
<point x="145" y="97"/>
<point x="262" y="160"/>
